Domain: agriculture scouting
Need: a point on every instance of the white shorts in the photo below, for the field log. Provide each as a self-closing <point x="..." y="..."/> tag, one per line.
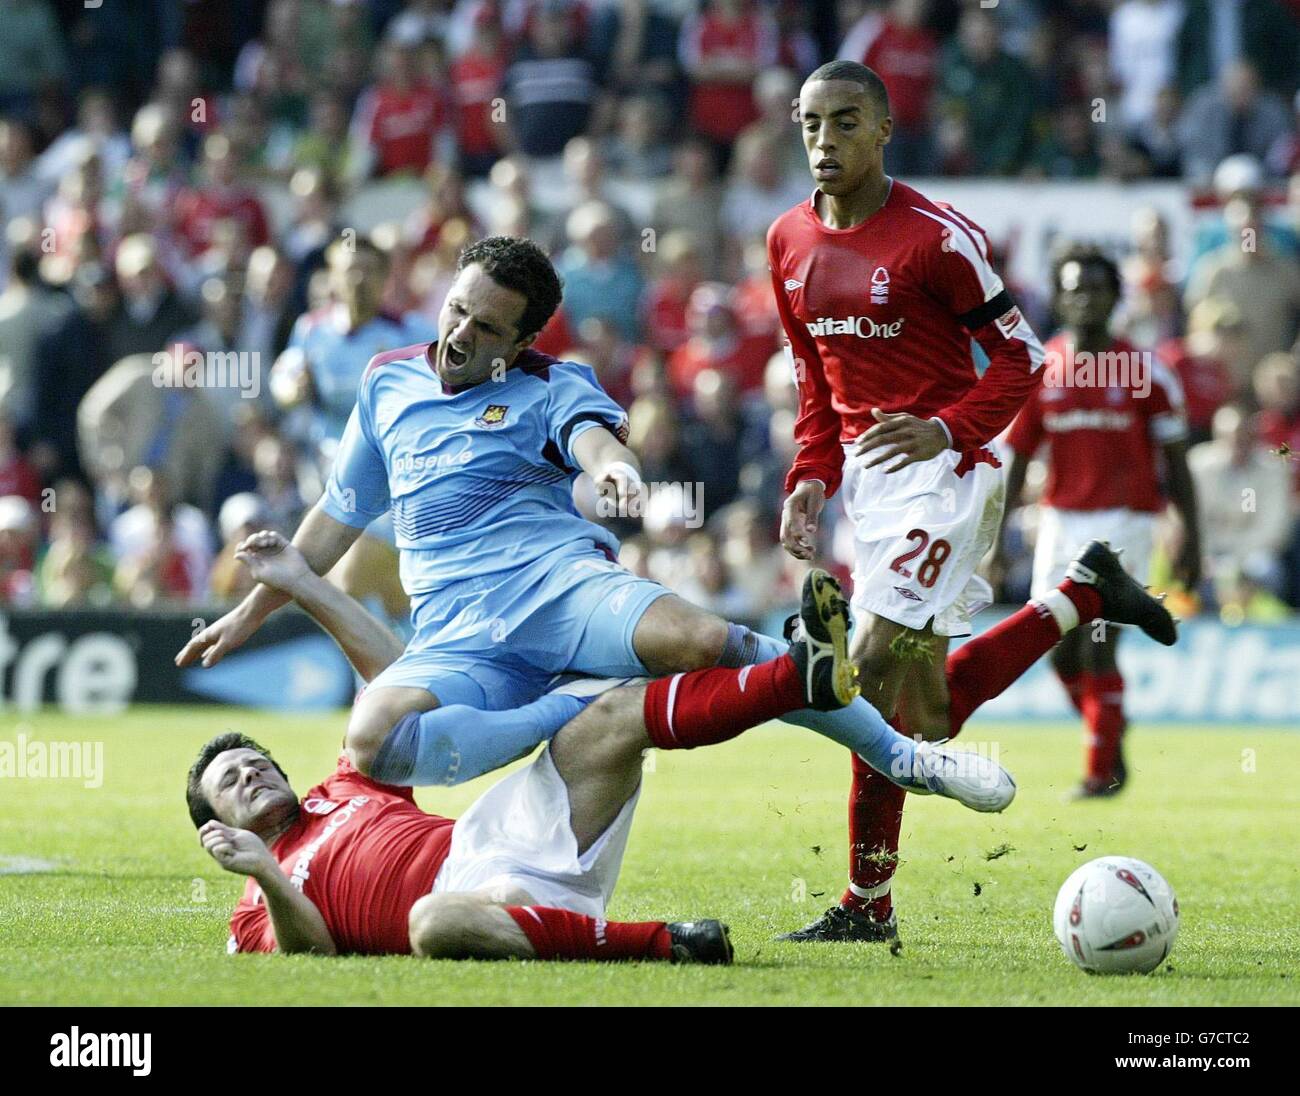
<point x="517" y="835"/>
<point x="918" y="536"/>
<point x="1061" y="533"/>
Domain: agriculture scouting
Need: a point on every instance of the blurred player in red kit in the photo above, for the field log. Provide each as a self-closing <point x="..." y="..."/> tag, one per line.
<point x="1108" y="417"/>
<point x="880" y="291"/>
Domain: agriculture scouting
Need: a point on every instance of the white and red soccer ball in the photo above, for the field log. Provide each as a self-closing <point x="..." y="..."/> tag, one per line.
<point x="1116" y="915"/>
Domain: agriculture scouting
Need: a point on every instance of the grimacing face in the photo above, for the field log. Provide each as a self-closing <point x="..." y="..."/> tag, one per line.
<point x="246" y="791"/>
<point x="843" y="134"/>
<point x="478" y="327"/>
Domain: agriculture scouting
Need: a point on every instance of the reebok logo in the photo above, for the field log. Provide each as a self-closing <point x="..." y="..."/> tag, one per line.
<point x="864" y="327"/>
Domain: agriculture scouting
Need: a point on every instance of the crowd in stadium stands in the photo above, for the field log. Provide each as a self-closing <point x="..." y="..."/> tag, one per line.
<point x="173" y="176"/>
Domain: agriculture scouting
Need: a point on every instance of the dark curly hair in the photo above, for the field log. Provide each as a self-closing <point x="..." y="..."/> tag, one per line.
<point x="200" y="809"/>
<point x="858" y="74"/>
<point x="521" y="265"/>
<point x="1086" y="255"/>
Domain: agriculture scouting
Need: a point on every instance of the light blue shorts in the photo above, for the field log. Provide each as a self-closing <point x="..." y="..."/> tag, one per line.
<point x="496" y="642"/>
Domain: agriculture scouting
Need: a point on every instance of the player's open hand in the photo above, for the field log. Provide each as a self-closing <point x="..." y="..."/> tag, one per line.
<point x="901" y="436"/>
<point x="239" y="851"/>
<point x="272" y="560"/>
<point x="218" y="639"/>
<point x="800" y="517"/>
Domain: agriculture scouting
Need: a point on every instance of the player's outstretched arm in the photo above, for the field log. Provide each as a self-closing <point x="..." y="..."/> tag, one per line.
<point x="369" y="644"/>
<point x="1182" y="493"/>
<point x="295" y="920"/>
<point x="322" y="541"/>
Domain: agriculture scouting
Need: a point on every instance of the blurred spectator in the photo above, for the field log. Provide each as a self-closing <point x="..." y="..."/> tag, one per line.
<point x="1210" y="362"/>
<point x="638" y="148"/>
<point x="75" y="570"/>
<point x="33" y="55"/>
<point x="611" y="357"/>
<point x="1244" y="497"/>
<point x="757" y="193"/>
<point x="276" y="463"/>
<point x="553" y="83"/>
<point x="163" y="547"/>
<point x="476" y="78"/>
<point x="1069" y="149"/>
<point x="1247" y="272"/>
<point x="643" y="54"/>
<point x="667" y="296"/>
<point x="151" y="312"/>
<point x="1229" y="117"/>
<point x="1143" y="41"/>
<point x="776" y="92"/>
<point x="96" y="131"/>
<point x="899" y="46"/>
<point x="23" y="189"/>
<point x="69" y="357"/>
<point x="400" y="119"/>
<point x="19" y="537"/>
<point x="722" y="49"/>
<point x="17" y="476"/>
<point x="240" y="517"/>
<point x="691" y="201"/>
<point x="1277" y="391"/>
<point x="267" y="310"/>
<point x="218" y="196"/>
<point x="715" y="436"/>
<point x="1213" y="34"/>
<point x="326" y="144"/>
<point x="27" y="311"/>
<point x="716" y="342"/>
<point x="987" y="111"/>
<point x="146" y="411"/>
<point x="598" y="279"/>
<point x="654" y="435"/>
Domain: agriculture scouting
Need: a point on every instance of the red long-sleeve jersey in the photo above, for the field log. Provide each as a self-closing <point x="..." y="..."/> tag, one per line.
<point x="882" y="314"/>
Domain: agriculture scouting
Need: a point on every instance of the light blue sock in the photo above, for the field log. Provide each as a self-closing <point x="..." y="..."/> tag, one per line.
<point x="457" y="743"/>
<point x="858" y="726"/>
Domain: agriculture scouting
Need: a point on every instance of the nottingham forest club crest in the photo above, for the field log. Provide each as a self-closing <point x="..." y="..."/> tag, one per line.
<point x="494" y="415"/>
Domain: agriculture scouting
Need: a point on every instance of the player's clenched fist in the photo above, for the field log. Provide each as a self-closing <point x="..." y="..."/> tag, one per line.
<point x="620" y="488"/>
<point x="273" y="561"/>
<point x="901" y="435"/>
<point x="800" y="517"/>
<point x="239" y="851"/>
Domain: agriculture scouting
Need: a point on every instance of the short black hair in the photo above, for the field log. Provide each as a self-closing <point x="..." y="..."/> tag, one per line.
<point x="858" y="74"/>
<point x="201" y="810"/>
<point x="1086" y="255"/>
<point x="519" y="264"/>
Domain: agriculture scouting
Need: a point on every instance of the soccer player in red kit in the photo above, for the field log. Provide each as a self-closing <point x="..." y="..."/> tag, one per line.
<point x="1109" y="419"/>
<point x="356" y="866"/>
<point x="880" y="291"/>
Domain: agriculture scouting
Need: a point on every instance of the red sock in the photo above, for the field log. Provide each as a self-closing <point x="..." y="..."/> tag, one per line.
<point x="983" y="667"/>
<point x="1085" y="598"/>
<point x="1076" y="685"/>
<point x="875" y="819"/>
<point x="1104" y="713"/>
<point x="559" y="934"/>
<point x="707" y="706"/>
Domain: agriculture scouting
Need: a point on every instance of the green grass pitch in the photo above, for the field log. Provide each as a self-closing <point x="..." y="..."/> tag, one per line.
<point x="107" y="898"/>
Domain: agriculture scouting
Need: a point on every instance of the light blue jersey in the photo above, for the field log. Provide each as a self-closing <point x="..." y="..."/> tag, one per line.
<point x="337" y="355"/>
<point x="509" y="583"/>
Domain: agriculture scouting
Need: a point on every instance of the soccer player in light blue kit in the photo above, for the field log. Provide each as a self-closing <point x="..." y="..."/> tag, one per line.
<point x="474" y="441"/>
<point x="315" y="380"/>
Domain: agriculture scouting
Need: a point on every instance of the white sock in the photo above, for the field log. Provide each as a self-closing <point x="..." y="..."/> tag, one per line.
<point x="1061" y="608"/>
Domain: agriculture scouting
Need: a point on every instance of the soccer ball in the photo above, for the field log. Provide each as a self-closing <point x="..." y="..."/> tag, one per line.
<point x="1116" y="915"/>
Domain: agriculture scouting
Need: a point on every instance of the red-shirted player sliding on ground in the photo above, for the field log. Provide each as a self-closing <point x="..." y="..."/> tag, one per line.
<point x="1107" y="416"/>
<point x="356" y="866"/>
<point x="880" y="291"/>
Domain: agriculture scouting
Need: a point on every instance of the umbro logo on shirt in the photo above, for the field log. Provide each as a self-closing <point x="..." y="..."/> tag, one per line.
<point x="791" y="284"/>
<point x="911" y="595"/>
